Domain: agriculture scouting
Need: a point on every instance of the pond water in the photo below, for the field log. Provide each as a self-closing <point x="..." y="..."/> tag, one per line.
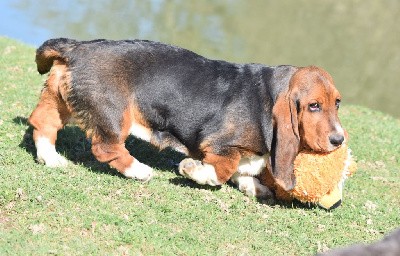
<point x="357" y="41"/>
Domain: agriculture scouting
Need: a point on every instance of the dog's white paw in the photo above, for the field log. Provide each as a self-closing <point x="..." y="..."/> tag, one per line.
<point x="139" y="171"/>
<point x="52" y="160"/>
<point x="198" y="172"/>
<point x="47" y="154"/>
<point x="251" y="186"/>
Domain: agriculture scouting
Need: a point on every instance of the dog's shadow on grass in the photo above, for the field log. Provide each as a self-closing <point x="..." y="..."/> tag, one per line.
<point x="185" y="182"/>
<point x="73" y="144"/>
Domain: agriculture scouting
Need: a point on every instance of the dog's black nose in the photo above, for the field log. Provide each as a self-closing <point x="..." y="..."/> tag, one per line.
<point x="336" y="139"/>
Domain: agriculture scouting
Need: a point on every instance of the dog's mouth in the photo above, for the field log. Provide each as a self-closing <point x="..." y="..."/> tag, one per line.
<point x="319" y="149"/>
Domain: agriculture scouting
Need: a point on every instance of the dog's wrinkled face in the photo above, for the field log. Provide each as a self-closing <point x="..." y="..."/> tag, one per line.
<point x="317" y="103"/>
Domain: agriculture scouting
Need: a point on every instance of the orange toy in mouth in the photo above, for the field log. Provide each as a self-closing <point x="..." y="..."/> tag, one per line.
<point x="319" y="177"/>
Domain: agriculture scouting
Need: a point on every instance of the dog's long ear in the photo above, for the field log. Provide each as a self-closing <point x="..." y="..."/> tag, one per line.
<point x="286" y="140"/>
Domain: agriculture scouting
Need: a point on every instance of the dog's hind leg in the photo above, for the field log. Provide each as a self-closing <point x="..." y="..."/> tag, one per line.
<point x="50" y="115"/>
<point x="110" y="148"/>
<point x="118" y="157"/>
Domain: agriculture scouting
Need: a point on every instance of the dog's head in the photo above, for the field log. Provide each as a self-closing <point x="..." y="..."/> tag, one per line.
<point x="305" y="117"/>
<point x="317" y="103"/>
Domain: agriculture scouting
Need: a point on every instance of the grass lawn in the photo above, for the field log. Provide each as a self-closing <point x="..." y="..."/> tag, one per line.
<point x="89" y="209"/>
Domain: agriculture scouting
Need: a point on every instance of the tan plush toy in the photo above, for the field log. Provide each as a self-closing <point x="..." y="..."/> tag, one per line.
<point x="319" y="177"/>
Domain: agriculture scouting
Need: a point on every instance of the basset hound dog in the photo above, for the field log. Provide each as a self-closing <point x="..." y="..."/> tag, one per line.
<point x="233" y="120"/>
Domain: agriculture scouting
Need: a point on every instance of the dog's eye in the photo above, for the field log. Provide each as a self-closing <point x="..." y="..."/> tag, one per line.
<point x="314" y="107"/>
<point x="337" y="103"/>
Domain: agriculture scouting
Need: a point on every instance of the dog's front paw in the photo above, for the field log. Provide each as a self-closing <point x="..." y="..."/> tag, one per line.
<point x="47" y="154"/>
<point x="198" y="172"/>
<point x="251" y="186"/>
<point x="52" y="159"/>
<point x="188" y="166"/>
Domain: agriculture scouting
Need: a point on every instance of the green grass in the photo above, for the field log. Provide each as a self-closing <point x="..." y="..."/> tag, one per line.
<point x="88" y="208"/>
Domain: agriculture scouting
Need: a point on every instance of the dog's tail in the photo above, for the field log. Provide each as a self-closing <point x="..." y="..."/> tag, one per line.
<point x="51" y="50"/>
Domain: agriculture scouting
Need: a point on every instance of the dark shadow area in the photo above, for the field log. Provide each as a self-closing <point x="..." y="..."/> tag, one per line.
<point x="27" y="141"/>
<point x="185" y="182"/>
<point x="296" y="204"/>
<point x="72" y="143"/>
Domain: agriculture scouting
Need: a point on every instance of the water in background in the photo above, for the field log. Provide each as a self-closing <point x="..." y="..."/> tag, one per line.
<point x="357" y="41"/>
